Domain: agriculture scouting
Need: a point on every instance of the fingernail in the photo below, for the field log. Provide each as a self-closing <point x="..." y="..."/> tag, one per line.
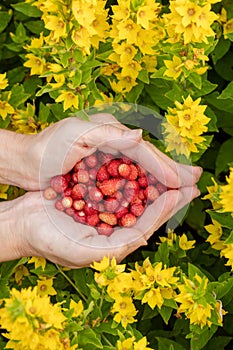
<point x="134" y="134"/>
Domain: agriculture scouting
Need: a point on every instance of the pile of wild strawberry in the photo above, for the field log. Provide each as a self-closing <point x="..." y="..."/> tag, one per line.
<point x="105" y="192"/>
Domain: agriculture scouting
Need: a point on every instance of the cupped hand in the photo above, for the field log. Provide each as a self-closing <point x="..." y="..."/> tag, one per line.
<point x="57" y="148"/>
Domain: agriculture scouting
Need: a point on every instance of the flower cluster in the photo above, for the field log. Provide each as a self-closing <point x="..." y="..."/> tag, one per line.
<point x="184" y="126"/>
<point x="32" y="321"/>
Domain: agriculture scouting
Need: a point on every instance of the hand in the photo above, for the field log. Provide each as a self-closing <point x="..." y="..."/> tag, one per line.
<point x="57" y="148"/>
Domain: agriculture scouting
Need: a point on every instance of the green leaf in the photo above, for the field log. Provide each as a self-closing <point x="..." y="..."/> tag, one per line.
<point x="224" y="157"/>
<point x="224" y="67"/>
<point x="220" y="50"/>
<point x="16" y="75"/>
<point x="135" y="93"/>
<point x="225" y="219"/>
<point x="18" y="96"/>
<point x="5" y="18"/>
<point x="44" y="112"/>
<point x="167" y="344"/>
<point x="4" y="288"/>
<point x="219" y="342"/>
<point x="165" y="312"/>
<point x="222" y="105"/>
<point x="88" y="336"/>
<point x="199" y="340"/>
<point x="7" y="268"/>
<point x="229" y="240"/>
<point x="196" y="80"/>
<point x="36" y="27"/>
<point x="213" y="119"/>
<point x="143" y="76"/>
<point x="205" y="180"/>
<point x="228" y="92"/>
<point x="223" y="287"/>
<point x="27" y="9"/>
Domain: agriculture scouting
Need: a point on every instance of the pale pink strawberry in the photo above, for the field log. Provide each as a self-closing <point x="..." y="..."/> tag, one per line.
<point x="91" y="161"/>
<point x="70" y="211"/>
<point x="95" y="194"/>
<point x="59" y="183"/>
<point x="78" y="204"/>
<point x="90" y="208"/>
<point x="108" y="218"/>
<point x="111" y="204"/>
<point x="80" y="217"/>
<point x="59" y="205"/>
<point x="131" y="190"/>
<point x="105" y="229"/>
<point x="126" y="160"/>
<point x="92" y="173"/>
<point x="151" y="179"/>
<point x="161" y="188"/>
<point x="151" y="193"/>
<point x="117" y="195"/>
<point x="83" y="176"/>
<point x="49" y="193"/>
<point x="67" y="202"/>
<point x="104" y="157"/>
<point x="79" y="165"/>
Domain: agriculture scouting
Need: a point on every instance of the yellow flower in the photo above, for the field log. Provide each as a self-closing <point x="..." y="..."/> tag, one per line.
<point x="125" y="51"/>
<point x="45" y="287"/>
<point x="124" y="84"/>
<point x="82" y="39"/>
<point x="5" y="108"/>
<point x="36" y="43"/>
<point x="228" y="28"/>
<point x="213" y="195"/>
<point x="77" y="307"/>
<point x="3" y="191"/>
<point x="19" y="272"/>
<point x="126" y="344"/>
<point x="174" y="67"/>
<point x="145" y="14"/>
<point x="3" y="81"/>
<point x="226" y="194"/>
<point x="215" y="231"/>
<point x="128" y="30"/>
<point x="185" y="244"/>
<point x="153" y="298"/>
<point x="227" y="253"/>
<point x="35" y="63"/>
<point x="108" y="270"/>
<point x="56" y="25"/>
<point x="69" y="99"/>
<point x="131" y="69"/>
<point x="124" y="309"/>
<point x="38" y="261"/>
<point x="121" y="284"/>
<point x="150" y="63"/>
<point x="141" y="344"/>
<point x="146" y="40"/>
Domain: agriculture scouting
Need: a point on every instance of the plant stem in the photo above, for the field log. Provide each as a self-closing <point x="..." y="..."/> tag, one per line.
<point x="72" y="283"/>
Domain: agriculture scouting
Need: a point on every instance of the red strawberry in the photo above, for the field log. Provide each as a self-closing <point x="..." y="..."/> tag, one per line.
<point x="78" y="191"/>
<point x="124" y="170"/>
<point x="108" y="187"/>
<point x="108" y="218"/>
<point x="92" y="173"/>
<point x="91" y="208"/>
<point x="102" y="174"/>
<point x="131" y="190"/>
<point x="161" y="188"/>
<point x="151" y="193"/>
<point x="111" y="204"/>
<point x="80" y="217"/>
<point x="151" y="179"/>
<point x="79" y="165"/>
<point x="67" y="202"/>
<point x="141" y="170"/>
<point x="143" y="181"/>
<point x="49" y="193"/>
<point x="141" y="194"/>
<point x="67" y="192"/>
<point x="137" y="209"/>
<point x="121" y="211"/>
<point x="78" y="204"/>
<point x="67" y="177"/>
<point x="59" y="205"/>
<point x="70" y="211"/>
<point x="59" y="183"/>
<point x="83" y="176"/>
<point x="117" y="195"/>
<point x="128" y="220"/>
<point x="95" y="194"/>
<point x="104" y="157"/>
<point x="92" y="220"/>
<point x="91" y="161"/>
<point x="104" y="229"/>
<point x="133" y="172"/>
<point x="112" y="167"/>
